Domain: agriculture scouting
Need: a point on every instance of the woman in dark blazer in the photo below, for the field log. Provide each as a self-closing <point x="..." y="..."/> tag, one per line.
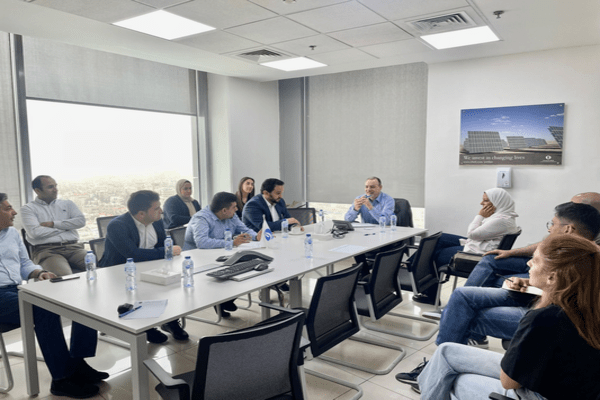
<point x="179" y="209"/>
<point x="244" y="193"/>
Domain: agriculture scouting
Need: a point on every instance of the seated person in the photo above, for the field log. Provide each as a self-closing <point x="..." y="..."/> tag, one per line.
<point x="244" y="193"/>
<point x="179" y="209"/>
<point x="270" y="206"/>
<point x="207" y="228"/>
<point x="71" y="375"/>
<point x="140" y="234"/>
<point x="372" y="204"/>
<point x="514" y="262"/>
<point x="555" y="353"/>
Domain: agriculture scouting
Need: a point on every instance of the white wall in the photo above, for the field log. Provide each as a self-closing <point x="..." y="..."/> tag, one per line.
<point x="453" y="192"/>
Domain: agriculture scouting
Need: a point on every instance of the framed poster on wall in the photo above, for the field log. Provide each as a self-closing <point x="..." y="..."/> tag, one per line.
<point x="520" y="135"/>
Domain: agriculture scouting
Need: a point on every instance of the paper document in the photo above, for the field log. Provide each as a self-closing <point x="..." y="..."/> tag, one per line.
<point x="362" y="225"/>
<point x="530" y="289"/>
<point x="148" y="309"/>
<point x="349" y="249"/>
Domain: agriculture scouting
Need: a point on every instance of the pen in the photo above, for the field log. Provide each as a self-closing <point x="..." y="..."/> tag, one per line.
<point x="506" y="278"/>
<point x="129" y="312"/>
<point x="368" y="234"/>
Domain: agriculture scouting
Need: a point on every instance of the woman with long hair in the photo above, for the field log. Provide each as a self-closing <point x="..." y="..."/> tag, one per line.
<point x="244" y="193"/>
<point x="555" y="353"/>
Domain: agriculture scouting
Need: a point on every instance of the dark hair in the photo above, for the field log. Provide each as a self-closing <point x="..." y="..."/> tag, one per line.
<point x="141" y="201"/>
<point x="36" y="183"/>
<point x="269" y="184"/>
<point x="376" y="178"/>
<point x="575" y="262"/>
<point x="3" y="197"/>
<point x="585" y="218"/>
<point x="238" y="194"/>
<point x="222" y="200"/>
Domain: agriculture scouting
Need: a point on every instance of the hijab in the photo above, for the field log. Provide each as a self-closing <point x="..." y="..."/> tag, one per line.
<point x="187" y="201"/>
<point x="505" y="205"/>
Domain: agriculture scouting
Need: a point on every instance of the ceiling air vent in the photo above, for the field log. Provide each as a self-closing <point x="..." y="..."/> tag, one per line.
<point x="443" y="23"/>
<point x="261" y="55"/>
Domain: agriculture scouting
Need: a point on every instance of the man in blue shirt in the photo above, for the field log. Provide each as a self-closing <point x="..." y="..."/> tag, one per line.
<point x="71" y="375"/>
<point x="372" y="204"/>
<point x="206" y="229"/>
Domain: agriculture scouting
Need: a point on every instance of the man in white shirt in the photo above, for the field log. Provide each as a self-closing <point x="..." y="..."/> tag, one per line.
<point x="51" y="225"/>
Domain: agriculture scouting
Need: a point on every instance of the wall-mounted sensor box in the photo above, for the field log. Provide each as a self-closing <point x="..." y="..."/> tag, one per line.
<point x="504" y="177"/>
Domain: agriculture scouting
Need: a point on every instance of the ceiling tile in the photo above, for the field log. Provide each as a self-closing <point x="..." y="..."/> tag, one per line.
<point x="105" y="11"/>
<point x="218" y="42"/>
<point x="396" y="9"/>
<point x="396" y="48"/>
<point x="301" y="47"/>
<point x="373" y="34"/>
<point x="284" y="8"/>
<point x="222" y="13"/>
<point x="337" y="17"/>
<point x="160" y="4"/>
<point x="342" y="57"/>
<point x="272" y="30"/>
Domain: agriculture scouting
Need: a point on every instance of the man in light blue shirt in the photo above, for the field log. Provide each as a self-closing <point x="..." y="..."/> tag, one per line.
<point x="206" y="229"/>
<point x="372" y="204"/>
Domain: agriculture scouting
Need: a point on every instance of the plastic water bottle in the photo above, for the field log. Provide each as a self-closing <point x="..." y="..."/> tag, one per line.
<point x="187" y="270"/>
<point x="393" y="222"/>
<point x="130" y="278"/>
<point x="308" y="246"/>
<point x="168" y="248"/>
<point x="90" y="265"/>
<point x="382" y="223"/>
<point x="321" y="216"/>
<point x="285" y="229"/>
<point x="228" y="240"/>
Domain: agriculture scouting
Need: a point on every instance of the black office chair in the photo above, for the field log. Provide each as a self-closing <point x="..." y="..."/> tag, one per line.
<point x="379" y="293"/>
<point x="97" y="246"/>
<point x="28" y="245"/>
<point x="178" y="235"/>
<point x="103" y="223"/>
<point x="404" y="217"/>
<point x="4" y="354"/>
<point x="305" y="216"/>
<point x="419" y="272"/>
<point x="255" y="363"/>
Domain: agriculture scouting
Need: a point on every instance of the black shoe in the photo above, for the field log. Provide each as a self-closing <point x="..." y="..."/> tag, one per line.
<point x="229" y="306"/>
<point x="284" y="287"/>
<point x="69" y="387"/>
<point x="411" y="377"/>
<point x="86" y="374"/>
<point x="155" y="336"/>
<point x="175" y="329"/>
<point x="424" y="299"/>
<point x="415" y="387"/>
<point x="224" y="314"/>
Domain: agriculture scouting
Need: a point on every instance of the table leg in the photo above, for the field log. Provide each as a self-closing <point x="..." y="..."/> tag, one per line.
<point x="29" y="353"/>
<point x="329" y="269"/>
<point x="139" y="377"/>
<point x="265" y="296"/>
<point x="295" y="292"/>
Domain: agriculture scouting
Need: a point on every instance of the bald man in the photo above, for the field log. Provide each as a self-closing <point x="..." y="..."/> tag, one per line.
<point x="514" y="262"/>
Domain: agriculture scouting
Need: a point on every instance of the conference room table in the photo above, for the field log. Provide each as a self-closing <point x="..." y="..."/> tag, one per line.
<point x="95" y="303"/>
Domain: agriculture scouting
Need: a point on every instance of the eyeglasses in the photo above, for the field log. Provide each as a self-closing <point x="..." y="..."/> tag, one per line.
<point x="551" y="223"/>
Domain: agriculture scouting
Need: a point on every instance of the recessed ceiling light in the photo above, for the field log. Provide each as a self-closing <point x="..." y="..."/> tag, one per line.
<point x="294" y="64"/>
<point x="164" y="25"/>
<point x="464" y="37"/>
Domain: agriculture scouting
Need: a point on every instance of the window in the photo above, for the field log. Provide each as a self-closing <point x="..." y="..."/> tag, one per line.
<point x="99" y="155"/>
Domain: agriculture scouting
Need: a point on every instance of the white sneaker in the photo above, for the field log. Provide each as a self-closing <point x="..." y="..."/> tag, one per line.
<point x="482" y="344"/>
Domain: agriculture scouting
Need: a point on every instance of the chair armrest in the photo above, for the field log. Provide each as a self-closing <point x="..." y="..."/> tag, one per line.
<point x="166" y="379"/>
<point x="498" y="396"/>
<point x="279" y="308"/>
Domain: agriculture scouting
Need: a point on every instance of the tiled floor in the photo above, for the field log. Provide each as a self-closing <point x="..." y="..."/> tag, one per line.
<point x="179" y="356"/>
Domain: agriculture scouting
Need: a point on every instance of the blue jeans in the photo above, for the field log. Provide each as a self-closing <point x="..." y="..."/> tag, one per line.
<point x="474" y="312"/>
<point x="447" y="246"/>
<point x="60" y="360"/>
<point x="485" y="271"/>
<point x="458" y="372"/>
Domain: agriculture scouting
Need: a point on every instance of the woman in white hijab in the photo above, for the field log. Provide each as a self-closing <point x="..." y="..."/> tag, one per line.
<point x="179" y="209"/>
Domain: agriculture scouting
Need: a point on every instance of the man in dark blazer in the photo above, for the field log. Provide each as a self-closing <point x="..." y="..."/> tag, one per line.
<point x="270" y="204"/>
<point x="140" y="234"/>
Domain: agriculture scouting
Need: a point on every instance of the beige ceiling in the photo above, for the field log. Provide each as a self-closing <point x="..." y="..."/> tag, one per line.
<point x="347" y="34"/>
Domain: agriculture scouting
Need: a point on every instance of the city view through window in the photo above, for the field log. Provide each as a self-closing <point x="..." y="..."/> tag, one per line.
<point x="99" y="155"/>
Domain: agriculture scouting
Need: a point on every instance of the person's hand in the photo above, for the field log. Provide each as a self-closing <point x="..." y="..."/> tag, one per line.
<point x="516" y="283"/>
<point x="359" y="202"/>
<point x="49" y="224"/>
<point x="499" y="254"/>
<point x="292" y="221"/>
<point x="241" y="239"/>
<point x="41" y="275"/>
<point x="176" y="250"/>
<point x="259" y="235"/>
<point x="487" y="210"/>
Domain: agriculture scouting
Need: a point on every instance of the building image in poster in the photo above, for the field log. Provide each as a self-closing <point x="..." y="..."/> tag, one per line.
<point x="522" y="135"/>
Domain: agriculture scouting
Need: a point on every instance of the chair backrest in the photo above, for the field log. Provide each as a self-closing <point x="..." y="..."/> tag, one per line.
<point x="305" y="216"/>
<point x="28" y="245"/>
<point x="178" y="235"/>
<point x="383" y="285"/>
<point x="103" y="223"/>
<point x="332" y="316"/>
<point x="252" y="364"/>
<point x="422" y="266"/>
<point x="97" y="246"/>
<point x="508" y="240"/>
<point x="403" y="212"/>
